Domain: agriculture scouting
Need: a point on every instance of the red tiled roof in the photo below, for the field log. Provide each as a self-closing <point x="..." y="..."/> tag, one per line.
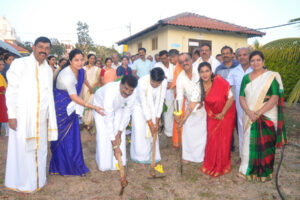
<point x="18" y="48"/>
<point x="197" y="21"/>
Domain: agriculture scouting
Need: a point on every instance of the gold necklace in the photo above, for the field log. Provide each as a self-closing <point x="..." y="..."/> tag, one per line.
<point x="207" y="86"/>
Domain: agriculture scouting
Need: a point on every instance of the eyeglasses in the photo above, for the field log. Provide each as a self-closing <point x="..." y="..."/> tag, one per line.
<point x="42" y="47"/>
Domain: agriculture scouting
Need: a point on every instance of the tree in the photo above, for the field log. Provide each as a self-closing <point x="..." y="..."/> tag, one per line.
<point x="57" y="48"/>
<point x="295" y="20"/>
<point x="26" y="45"/>
<point x="104" y="52"/>
<point x="256" y="45"/>
<point x="283" y="56"/>
<point x="294" y="96"/>
<point x="85" y="42"/>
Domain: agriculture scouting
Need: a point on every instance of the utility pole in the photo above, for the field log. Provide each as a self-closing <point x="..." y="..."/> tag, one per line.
<point x="129" y="28"/>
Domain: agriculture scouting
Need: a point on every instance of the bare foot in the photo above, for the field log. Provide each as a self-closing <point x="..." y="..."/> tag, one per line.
<point x="240" y="175"/>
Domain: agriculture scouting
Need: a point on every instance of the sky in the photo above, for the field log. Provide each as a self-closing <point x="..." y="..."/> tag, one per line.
<point x="109" y="20"/>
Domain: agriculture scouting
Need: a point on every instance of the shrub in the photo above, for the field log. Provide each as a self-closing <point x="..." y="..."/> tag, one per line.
<point x="283" y="56"/>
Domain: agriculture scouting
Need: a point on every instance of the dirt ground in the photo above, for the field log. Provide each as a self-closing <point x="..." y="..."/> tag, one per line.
<point x="193" y="184"/>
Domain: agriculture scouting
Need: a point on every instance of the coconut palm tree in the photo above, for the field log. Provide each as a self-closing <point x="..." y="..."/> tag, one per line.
<point x="295" y="94"/>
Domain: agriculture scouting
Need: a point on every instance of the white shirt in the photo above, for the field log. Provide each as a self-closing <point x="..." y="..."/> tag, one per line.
<point x="151" y="99"/>
<point x="212" y="61"/>
<point x="29" y="92"/>
<point x="235" y="78"/>
<point x="115" y="66"/>
<point x="169" y="73"/>
<point x="185" y="86"/>
<point x="110" y="99"/>
<point x="44" y="89"/>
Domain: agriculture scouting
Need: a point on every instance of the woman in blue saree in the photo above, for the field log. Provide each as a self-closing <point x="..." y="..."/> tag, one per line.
<point x="67" y="156"/>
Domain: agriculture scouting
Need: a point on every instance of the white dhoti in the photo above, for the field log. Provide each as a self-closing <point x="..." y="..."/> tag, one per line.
<point x="240" y="129"/>
<point x="105" y="158"/>
<point x="168" y="118"/>
<point x="30" y="101"/>
<point x="117" y="111"/>
<point x="141" y="144"/>
<point x="26" y="170"/>
<point x="194" y="134"/>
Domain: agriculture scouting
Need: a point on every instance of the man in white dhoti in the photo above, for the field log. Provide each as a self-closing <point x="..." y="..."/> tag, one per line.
<point x="147" y="110"/>
<point x="194" y="129"/>
<point x="32" y="119"/>
<point x="117" y="100"/>
<point x="169" y="69"/>
<point x="205" y="56"/>
<point x="235" y="78"/>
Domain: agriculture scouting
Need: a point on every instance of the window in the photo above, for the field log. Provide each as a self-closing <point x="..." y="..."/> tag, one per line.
<point x="154" y="43"/>
<point x="195" y="43"/>
<point x="139" y="45"/>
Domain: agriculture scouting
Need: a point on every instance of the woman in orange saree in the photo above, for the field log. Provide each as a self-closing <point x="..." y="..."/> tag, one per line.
<point x="108" y="74"/>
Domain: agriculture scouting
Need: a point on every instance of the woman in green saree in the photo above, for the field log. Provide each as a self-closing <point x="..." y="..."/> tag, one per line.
<point x="261" y="97"/>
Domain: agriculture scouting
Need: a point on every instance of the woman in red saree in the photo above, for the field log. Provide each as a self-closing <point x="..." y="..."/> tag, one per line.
<point x="215" y="92"/>
<point x="3" y="109"/>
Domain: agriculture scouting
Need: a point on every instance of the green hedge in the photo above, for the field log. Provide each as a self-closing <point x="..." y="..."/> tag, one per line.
<point x="283" y="56"/>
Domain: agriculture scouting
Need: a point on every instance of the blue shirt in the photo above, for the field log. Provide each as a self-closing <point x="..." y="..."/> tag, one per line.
<point x="142" y="67"/>
<point x="223" y="71"/>
<point x="121" y="71"/>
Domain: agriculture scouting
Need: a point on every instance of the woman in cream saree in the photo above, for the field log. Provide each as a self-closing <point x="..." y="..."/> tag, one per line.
<point x="90" y="85"/>
<point x="261" y="98"/>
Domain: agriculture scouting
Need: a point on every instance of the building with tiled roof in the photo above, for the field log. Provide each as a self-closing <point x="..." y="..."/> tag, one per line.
<point x="21" y="50"/>
<point x="187" y="31"/>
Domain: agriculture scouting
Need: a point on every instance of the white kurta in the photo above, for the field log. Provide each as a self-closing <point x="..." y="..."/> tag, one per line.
<point x="168" y="116"/>
<point x="27" y="152"/>
<point x="148" y="106"/>
<point x="235" y="78"/>
<point x="194" y="130"/>
<point x="114" y="66"/>
<point x="212" y="61"/>
<point x="117" y="115"/>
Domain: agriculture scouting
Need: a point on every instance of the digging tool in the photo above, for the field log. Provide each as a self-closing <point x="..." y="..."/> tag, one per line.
<point x="124" y="182"/>
<point x="178" y="113"/>
<point x="152" y="170"/>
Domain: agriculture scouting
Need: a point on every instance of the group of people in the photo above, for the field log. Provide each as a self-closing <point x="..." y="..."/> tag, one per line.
<point x="194" y="96"/>
<point x="6" y="59"/>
